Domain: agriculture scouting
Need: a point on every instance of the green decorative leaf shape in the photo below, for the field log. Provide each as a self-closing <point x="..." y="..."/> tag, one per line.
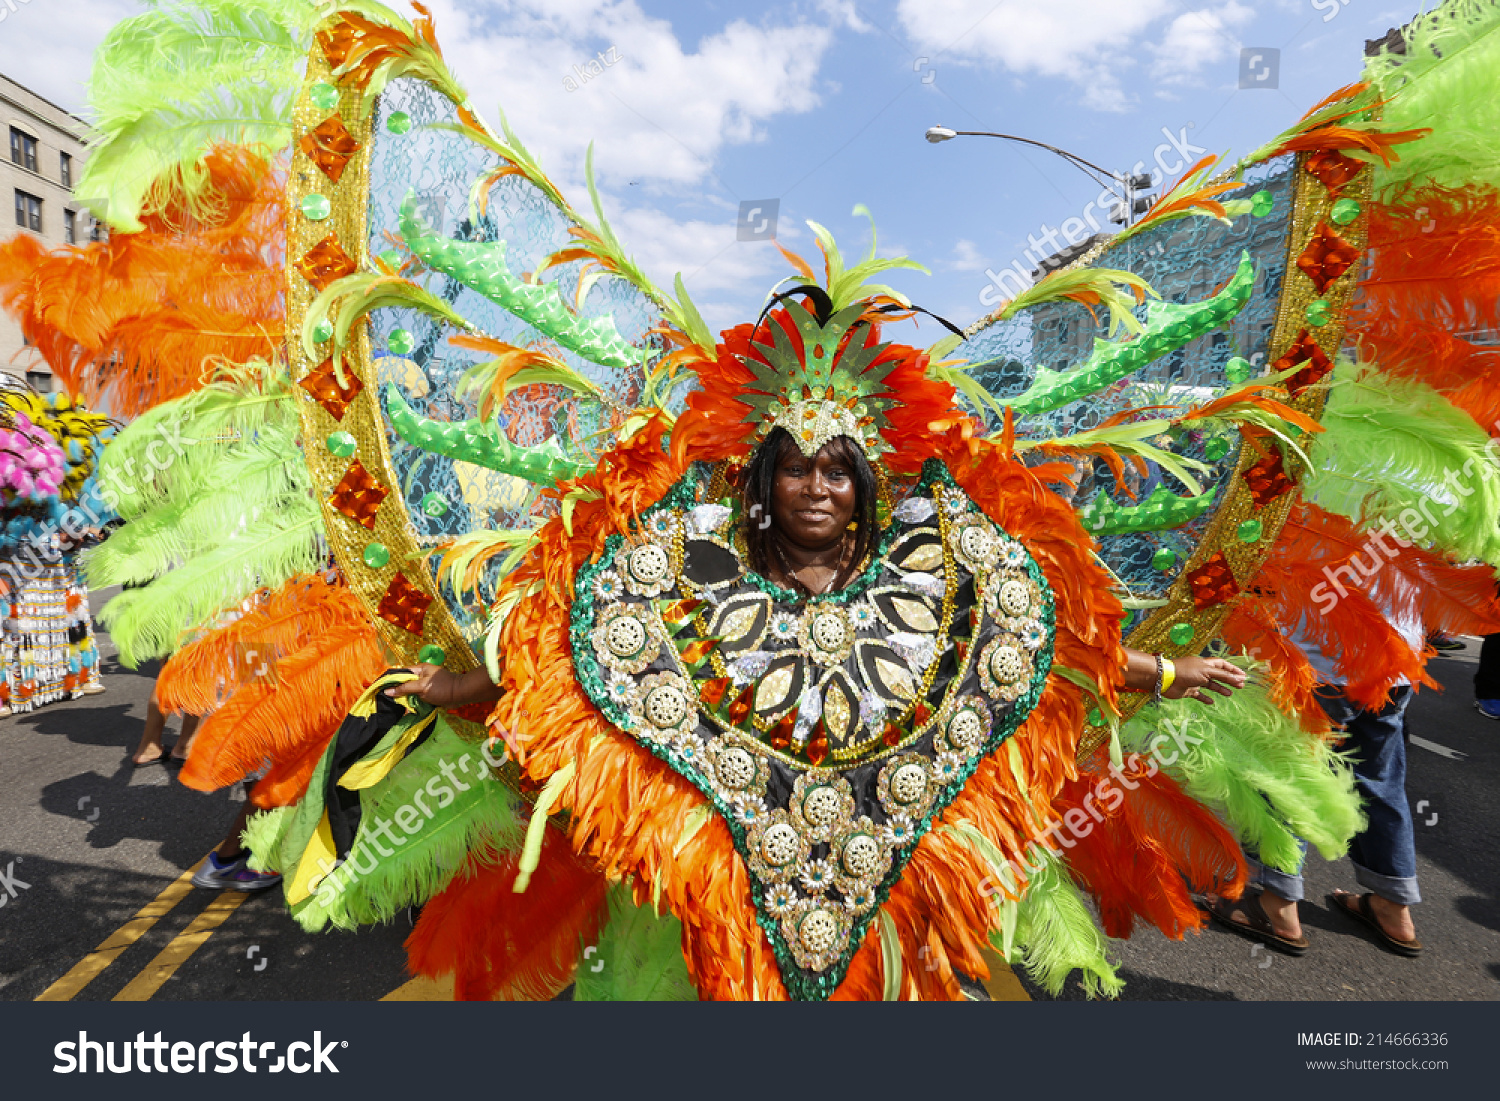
<point x="1168" y="326"/>
<point x="481" y="443"/>
<point x="481" y="266"/>
<point x="1158" y="512"/>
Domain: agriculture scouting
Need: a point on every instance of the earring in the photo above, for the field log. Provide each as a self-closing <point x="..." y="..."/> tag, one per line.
<point x="853" y="525"/>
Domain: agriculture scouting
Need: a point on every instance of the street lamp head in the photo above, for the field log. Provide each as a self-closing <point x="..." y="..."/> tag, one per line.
<point x="936" y="134"/>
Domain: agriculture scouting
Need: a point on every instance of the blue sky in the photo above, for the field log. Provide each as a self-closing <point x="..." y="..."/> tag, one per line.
<point x="822" y="105"/>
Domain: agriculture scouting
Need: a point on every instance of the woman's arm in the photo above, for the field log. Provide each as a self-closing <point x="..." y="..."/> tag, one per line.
<point x="437" y="686"/>
<point x="1193" y="675"/>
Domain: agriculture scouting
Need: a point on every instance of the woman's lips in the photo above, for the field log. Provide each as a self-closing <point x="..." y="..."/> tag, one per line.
<point x="812" y="516"/>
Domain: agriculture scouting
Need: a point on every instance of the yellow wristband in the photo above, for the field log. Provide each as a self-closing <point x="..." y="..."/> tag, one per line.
<point x="1168" y="673"/>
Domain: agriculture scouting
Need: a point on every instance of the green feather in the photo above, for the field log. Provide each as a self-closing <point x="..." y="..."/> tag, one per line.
<point x="1057" y="935"/>
<point x="481" y="822"/>
<point x="638" y="957"/>
<point x="151" y="622"/>
<point x="1391" y="445"/>
<point x="1269" y="780"/>
<point x="217" y="505"/>
<point x="1446" y="81"/>
<point x="171" y="83"/>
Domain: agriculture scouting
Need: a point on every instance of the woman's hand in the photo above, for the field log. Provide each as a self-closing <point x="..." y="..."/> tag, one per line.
<point x="1196" y="677"/>
<point x="435" y="685"/>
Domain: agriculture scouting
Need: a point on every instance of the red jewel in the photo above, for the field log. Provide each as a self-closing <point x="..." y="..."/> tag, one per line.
<point x="740" y="708"/>
<point x="1304" y="350"/>
<point x="712" y="692"/>
<point x="920" y="714"/>
<point x="893" y="735"/>
<point x="696" y="651"/>
<point x="1326" y="257"/>
<point x="1212" y="583"/>
<point x="817" y="745"/>
<point x="1267" y="480"/>
<point x="781" y="733"/>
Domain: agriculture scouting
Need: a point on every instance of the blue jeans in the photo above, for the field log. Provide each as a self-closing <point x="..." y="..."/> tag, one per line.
<point x="1384" y="854"/>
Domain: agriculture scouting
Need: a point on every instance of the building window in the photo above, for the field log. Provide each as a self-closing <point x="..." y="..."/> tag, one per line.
<point x="22" y="149"/>
<point x="70" y="228"/>
<point x="65" y="164"/>
<point x="41" y="381"/>
<point x="28" y="212"/>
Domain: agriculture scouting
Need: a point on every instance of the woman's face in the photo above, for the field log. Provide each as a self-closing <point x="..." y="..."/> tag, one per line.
<point x="812" y="500"/>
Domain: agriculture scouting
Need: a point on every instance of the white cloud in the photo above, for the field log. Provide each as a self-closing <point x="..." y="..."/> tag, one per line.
<point x="966" y="257"/>
<point x="659" y="112"/>
<point x="725" y="276"/>
<point x="1096" y="44"/>
<point x="1195" y="39"/>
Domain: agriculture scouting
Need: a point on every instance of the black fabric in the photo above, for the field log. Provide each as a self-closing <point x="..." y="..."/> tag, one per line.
<point x="356" y="737"/>
<point x="1487" y="676"/>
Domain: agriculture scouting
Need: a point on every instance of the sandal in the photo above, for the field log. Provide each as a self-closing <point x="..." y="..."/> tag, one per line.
<point x="1257" y="925"/>
<point x="1365" y="913"/>
<point x="159" y="759"/>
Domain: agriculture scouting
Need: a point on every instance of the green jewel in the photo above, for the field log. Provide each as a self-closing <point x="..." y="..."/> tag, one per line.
<point x="1250" y="531"/>
<point x="322" y="332"/>
<point x="324" y="95"/>
<point x="1261" y="203"/>
<point x="401" y="342"/>
<point x="376" y="556"/>
<point x="341" y="444"/>
<point x="391" y="258"/>
<point x="1164" y="560"/>
<point x="398" y="123"/>
<point x="432" y="655"/>
<point x="1215" y="449"/>
<point x="1344" y="211"/>
<point x="1238" y="369"/>
<point x="1317" y="311"/>
<point x="1095" y="719"/>
<point x="434" y="505"/>
<point x="1181" y="634"/>
<point x="316" y="207"/>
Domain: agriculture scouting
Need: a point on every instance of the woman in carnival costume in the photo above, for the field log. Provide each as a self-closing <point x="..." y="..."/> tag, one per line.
<point x="49" y="451"/>
<point x="682" y="718"/>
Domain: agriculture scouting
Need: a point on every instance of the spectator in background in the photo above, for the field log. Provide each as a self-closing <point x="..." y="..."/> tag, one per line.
<point x="1384" y="853"/>
<point x="1487" y="678"/>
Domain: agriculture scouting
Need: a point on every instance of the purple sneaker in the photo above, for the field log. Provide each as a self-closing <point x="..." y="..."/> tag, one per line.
<point x="232" y="875"/>
<point x="1490" y="709"/>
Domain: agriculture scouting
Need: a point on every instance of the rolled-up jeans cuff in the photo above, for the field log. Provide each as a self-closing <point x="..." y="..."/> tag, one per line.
<point x="1401" y="891"/>
<point x="1278" y="883"/>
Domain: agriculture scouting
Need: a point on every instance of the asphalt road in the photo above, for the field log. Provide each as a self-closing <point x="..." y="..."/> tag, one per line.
<point x="95" y="851"/>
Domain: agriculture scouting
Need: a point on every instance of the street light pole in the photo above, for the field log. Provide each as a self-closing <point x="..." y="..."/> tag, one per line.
<point x="1131" y="184"/>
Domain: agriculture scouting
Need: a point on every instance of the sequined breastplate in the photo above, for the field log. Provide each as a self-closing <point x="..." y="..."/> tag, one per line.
<point x="828" y="731"/>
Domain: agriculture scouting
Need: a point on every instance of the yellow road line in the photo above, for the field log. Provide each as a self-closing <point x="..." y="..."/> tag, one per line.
<point x="183" y="945"/>
<point x="85" y="970"/>
<point x="423" y="989"/>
